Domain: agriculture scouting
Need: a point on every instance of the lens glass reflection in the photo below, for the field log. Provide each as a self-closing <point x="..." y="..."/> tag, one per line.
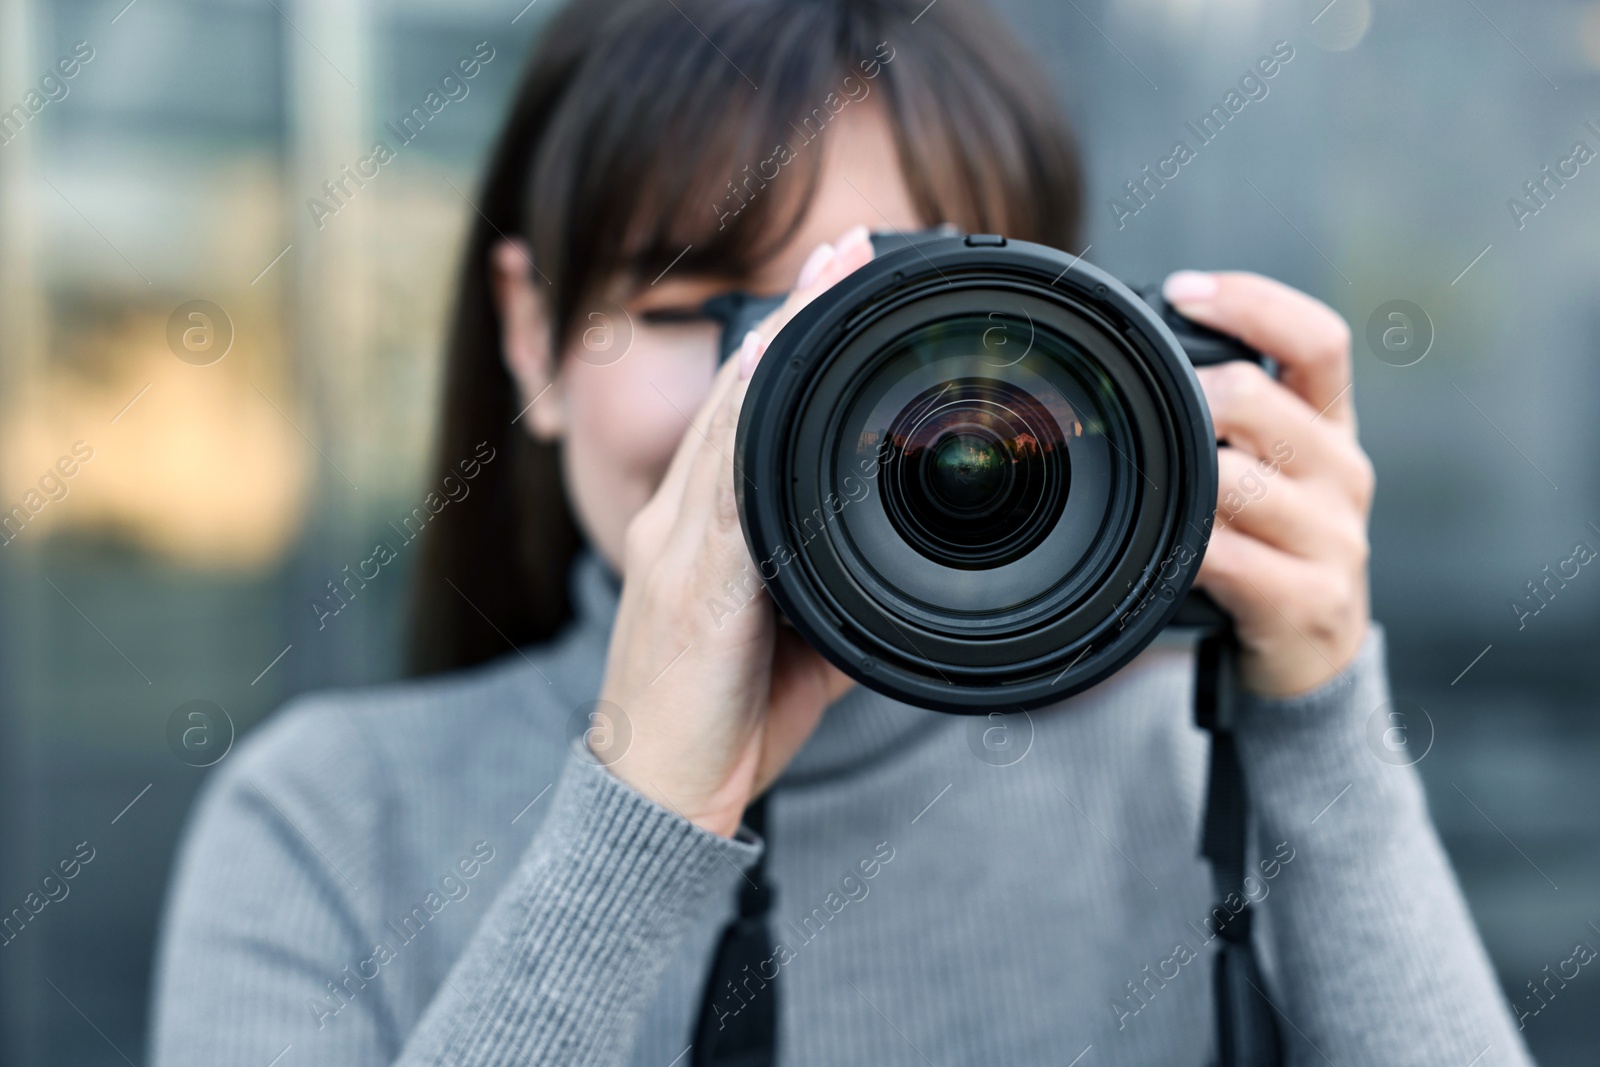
<point x="1000" y="452"/>
<point x="975" y="473"/>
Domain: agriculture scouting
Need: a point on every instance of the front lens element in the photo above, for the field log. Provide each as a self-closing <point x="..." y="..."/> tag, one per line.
<point x="968" y="472"/>
<point x="976" y="473"/>
<point x="978" y="488"/>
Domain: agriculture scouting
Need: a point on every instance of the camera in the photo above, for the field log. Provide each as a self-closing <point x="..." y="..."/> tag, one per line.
<point x="978" y="474"/>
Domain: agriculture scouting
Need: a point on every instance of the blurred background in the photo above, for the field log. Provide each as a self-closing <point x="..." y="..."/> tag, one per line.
<point x="220" y="477"/>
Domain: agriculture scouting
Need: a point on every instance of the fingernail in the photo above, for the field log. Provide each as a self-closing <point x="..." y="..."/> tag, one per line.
<point x="750" y="353"/>
<point x="812" y="270"/>
<point x="854" y="238"/>
<point x="1189" y="287"/>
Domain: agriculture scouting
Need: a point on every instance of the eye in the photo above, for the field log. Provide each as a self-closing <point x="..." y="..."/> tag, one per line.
<point x="669" y="316"/>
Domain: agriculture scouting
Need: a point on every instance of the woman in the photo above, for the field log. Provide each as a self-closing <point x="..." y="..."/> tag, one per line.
<point x="430" y="873"/>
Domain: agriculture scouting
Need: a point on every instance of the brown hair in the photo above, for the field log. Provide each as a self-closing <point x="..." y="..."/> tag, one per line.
<point x="639" y="129"/>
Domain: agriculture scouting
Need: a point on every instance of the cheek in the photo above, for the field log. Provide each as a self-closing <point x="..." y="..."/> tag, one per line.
<point x="624" y="423"/>
<point x="632" y="413"/>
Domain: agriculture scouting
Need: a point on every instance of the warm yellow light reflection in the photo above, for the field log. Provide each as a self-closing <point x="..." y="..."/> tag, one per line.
<point x="199" y="468"/>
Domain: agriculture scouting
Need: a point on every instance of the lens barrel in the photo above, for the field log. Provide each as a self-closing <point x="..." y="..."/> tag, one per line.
<point x="978" y="474"/>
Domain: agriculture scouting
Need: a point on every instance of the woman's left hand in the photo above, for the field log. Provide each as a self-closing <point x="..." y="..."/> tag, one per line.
<point x="1288" y="552"/>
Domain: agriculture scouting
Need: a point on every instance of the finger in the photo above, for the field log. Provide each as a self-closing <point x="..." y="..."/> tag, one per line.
<point x="670" y="491"/>
<point x="1289" y="515"/>
<point x="827" y="265"/>
<point x="1298" y="621"/>
<point x="1261" y="417"/>
<point x="852" y="250"/>
<point x="709" y="514"/>
<point x="750" y="353"/>
<point x="824" y="269"/>
<point x="694" y="477"/>
<point x="1263" y="587"/>
<point x="803" y="685"/>
<point x="1310" y="341"/>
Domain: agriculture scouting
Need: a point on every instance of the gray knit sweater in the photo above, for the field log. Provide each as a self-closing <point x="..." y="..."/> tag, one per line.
<point x="431" y="873"/>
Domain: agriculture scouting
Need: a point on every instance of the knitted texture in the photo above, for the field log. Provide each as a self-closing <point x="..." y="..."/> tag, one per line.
<point x="432" y="873"/>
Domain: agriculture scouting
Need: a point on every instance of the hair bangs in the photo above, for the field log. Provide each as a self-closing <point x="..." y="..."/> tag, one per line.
<point x="686" y="165"/>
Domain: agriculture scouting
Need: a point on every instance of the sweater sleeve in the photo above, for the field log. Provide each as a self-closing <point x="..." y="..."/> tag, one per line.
<point x="277" y="894"/>
<point x="1376" y="956"/>
<point x="566" y="961"/>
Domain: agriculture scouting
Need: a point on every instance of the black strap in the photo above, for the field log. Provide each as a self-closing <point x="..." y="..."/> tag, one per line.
<point x="739" y="1007"/>
<point x="1247" y="1025"/>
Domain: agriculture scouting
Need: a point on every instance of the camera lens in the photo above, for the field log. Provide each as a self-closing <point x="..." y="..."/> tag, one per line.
<point x="965" y="463"/>
<point x="975" y="473"/>
<point x="974" y="477"/>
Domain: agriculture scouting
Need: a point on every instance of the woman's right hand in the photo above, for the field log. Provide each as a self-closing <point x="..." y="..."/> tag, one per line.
<point x="718" y="696"/>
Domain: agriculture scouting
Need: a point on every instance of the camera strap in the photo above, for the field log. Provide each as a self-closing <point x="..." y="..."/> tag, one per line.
<point x="738" y="1025"/>
<point x="1247" y="1025"/>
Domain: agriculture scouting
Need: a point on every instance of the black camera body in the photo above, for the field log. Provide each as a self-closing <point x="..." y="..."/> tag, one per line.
<point x="978" y="474"/>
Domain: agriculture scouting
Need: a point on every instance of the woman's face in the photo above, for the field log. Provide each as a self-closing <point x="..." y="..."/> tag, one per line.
<point x="621" y="418"/>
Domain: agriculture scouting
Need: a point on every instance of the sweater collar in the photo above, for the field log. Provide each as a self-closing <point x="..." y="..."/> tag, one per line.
<point x="860" y="729"/>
